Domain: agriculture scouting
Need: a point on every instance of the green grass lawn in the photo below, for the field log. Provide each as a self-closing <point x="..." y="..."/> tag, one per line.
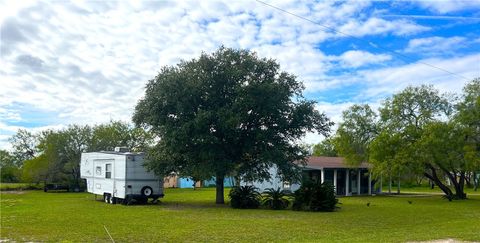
<point x="187" y="215"/>
<point x="428" y="190"/>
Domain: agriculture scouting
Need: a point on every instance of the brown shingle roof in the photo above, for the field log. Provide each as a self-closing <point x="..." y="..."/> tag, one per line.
<point x="319" y="162"/>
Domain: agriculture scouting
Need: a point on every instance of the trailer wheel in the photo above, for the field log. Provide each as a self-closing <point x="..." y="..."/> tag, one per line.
<point x="147" y="191"/>
<point x="106" y="198"/>
<point x="113" y="200"/>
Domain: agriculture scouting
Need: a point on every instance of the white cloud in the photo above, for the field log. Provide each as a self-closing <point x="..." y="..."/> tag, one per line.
<point x="375" y="25"/>
<point x="356" y="58"/>
<point x="4" y="143"/>
<point x="334" y="110"/>
<point x="385" y="81"/>
<point x="436" y="45"/>
<point x="9" y="130"/>
<point x="12" y="8"/>
<point x="334" y="113"/>
<point x="9" y="115"/>
<point x="446" y="6"/>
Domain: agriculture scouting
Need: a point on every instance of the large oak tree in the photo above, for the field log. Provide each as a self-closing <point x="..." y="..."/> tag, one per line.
<point x="227" y="113"/>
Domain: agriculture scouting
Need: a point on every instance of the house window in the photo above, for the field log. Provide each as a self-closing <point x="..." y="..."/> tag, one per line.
<point x="98" y="170"/>
<point x="108" y="170"/>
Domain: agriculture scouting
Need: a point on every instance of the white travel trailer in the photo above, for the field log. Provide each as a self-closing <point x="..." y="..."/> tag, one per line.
<point x="119" y="176"/>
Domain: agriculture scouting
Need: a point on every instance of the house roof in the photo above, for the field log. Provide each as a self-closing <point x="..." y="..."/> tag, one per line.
<point x="320" y="162"/>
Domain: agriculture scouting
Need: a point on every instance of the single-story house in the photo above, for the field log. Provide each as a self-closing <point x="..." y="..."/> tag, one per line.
<point x="348" y="180"/>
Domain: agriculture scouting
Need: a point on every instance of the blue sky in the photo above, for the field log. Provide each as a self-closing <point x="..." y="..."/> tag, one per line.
<point x="88" y="62"/>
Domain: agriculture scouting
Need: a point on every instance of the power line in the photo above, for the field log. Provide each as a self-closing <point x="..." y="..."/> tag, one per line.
<point x="402" y="56"/>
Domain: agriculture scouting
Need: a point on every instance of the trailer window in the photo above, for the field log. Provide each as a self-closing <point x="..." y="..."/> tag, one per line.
<point x="98" y="170"/>
<point x="108" y="170"/>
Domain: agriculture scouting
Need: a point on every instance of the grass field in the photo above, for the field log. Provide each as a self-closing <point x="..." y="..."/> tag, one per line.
<point x="428" y="190"/>
<point x="187" y="215"/>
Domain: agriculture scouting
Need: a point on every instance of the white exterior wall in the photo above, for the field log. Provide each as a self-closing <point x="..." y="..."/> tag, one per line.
<point x="274" y="182"/>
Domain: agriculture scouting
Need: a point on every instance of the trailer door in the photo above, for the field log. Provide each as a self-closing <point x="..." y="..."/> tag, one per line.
<point x="104" y="182"/>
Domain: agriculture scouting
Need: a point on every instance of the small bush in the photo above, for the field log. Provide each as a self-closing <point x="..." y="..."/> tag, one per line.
<point x="315" y="196"/>
<point x="244" y="197"/>
<point x="19" y="186"/>
<point x="275" y="199"/>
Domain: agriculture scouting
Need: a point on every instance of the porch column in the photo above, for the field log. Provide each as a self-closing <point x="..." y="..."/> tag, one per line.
<point x="335" y="180"/>
<point x="359" y="176"/>
<point x="347" y="181"/>
<point x="322" y="175"/>
<point x="369" y="183"/>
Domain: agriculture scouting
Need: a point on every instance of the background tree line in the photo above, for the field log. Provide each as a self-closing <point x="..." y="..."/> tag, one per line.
<point x="419" y="133"/>
<point x="54" y="155"/>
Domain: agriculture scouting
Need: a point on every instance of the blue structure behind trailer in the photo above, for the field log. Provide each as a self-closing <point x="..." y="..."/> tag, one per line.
<point x="227" y="182"/>
<point x="185" y="182"/>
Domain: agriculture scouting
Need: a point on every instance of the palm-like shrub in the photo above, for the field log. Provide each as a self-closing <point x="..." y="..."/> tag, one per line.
<point x="315" y="196"/>
<point x="275" y="199"/>
<point x="244" y="197"/>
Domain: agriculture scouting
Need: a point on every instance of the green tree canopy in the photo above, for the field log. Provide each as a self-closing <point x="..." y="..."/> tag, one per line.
<point x="414" y="107"/>
<point x="468" y="116"/>
<point x="325" y="148"/>
<point x="468" y="111"/>
<point x="54" y="155"/>
<point x="116" y="133"/>
<point x="60" y="152"/>
<point x="9" y="170"/>
<point x="24" y="146"/>
<point x="418" y="134"/>
<point x="356" y="131"/>
<point x="443" y="149"/>
<point x="229" y="112"/>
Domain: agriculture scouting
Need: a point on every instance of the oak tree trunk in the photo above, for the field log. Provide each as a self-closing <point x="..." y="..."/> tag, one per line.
<point x="460" y="194"/>
<point x="434" y="178"/>
<point x="458" y="185"/>
<point x="219" y="189"/>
